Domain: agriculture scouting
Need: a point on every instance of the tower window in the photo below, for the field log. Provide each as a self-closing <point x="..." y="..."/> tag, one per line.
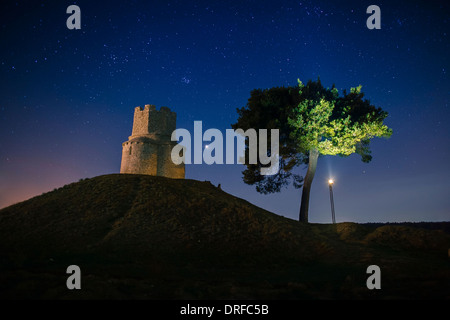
<point x="130" y="151"/>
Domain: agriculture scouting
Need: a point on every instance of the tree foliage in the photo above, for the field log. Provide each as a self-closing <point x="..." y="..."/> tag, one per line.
<point x="270" y="109"/>
<point x="313" y="120"/>
<point x="336" y="125"/>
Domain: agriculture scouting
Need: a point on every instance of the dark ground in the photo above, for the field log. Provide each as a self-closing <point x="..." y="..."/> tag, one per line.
<point x="145" y="237"/>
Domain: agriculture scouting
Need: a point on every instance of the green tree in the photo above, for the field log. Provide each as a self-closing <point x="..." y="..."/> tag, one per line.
<point x="313" y="121"/>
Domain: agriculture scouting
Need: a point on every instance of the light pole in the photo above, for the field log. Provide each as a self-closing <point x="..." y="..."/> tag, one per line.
<point x="330" y="184"/>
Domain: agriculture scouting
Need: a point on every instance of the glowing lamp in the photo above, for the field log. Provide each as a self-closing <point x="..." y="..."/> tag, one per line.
<point x="330" y="184"/>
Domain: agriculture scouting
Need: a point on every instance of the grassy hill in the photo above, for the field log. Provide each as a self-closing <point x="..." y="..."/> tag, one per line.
<point x="145" y="237"/>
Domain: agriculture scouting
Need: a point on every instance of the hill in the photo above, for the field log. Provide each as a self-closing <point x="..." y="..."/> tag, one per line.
<point x="146" y="237"/>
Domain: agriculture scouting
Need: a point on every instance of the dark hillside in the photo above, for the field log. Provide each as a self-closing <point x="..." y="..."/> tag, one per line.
<point x="137" y="236"/>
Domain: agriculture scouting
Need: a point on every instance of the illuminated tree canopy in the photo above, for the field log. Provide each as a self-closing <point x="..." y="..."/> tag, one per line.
<point x="313" y="121"/>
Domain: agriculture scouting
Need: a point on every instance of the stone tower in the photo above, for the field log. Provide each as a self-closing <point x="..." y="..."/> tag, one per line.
<point x="148" y="149"/>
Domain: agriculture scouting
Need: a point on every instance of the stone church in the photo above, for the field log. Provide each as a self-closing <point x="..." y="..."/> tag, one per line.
<point x="148" y="149"/>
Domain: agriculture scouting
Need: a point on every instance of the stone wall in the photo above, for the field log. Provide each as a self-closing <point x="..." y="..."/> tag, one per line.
<point x="148" y="149"/>
<point x="151" y="121"/>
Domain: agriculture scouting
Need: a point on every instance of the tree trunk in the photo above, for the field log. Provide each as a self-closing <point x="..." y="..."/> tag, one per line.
<point x="304" y="205"/>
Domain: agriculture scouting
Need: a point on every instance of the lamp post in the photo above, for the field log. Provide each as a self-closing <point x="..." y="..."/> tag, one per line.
<point x="330" y="184"/>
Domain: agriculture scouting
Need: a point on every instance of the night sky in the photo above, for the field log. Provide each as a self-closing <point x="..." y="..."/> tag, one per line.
<point x="67" y="97"/>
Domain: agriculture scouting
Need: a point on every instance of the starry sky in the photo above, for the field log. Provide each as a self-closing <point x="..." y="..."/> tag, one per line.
<point x="67" y="97"/>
